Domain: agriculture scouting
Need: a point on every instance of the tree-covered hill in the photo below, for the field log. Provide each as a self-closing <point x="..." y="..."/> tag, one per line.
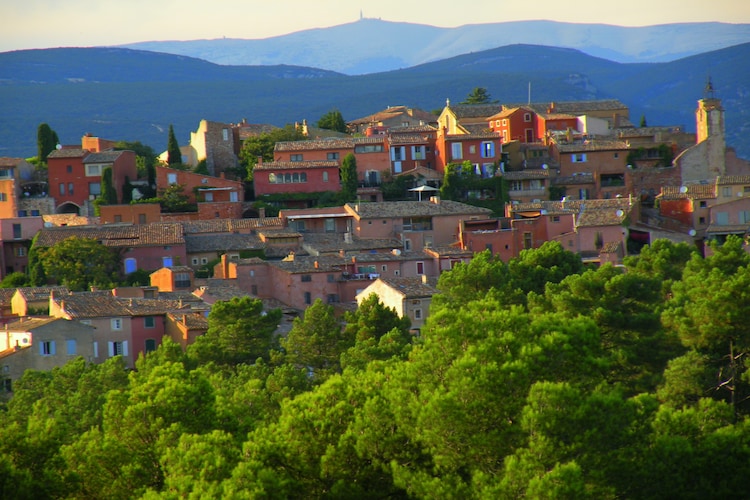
<point x="121" y="94"/>
<point x="535" y="378"/>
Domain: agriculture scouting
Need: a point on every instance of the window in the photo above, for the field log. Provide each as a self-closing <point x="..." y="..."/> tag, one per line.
<point x="420" y="267"/>
<point x="62" y="189"/>
<point x="47" y="348"/>
<point x="702" y="204"/>
<point x="516" y="186"/>
<point x="617" y="155"/>
<point x="130" y="265"/>
<point x="417" y="314"/>
<point x="6" y="173"/>
<point x="746" y="189"/>
<point x="149" y="322"/>
<point x="194" y="260"/>
<point x="16" y="231"/>
<point x="417" y="152"/>
<point x="93" y="170"/>
<point x="117" y="348"/>
<point x="701" y="220"/>
<point x="726" y="191"/>
<point x="116" y="323"/>
<point x="204" y="260"/>
<point x="330" y="225"/>
<point x="21" y="213"/>
<point x="488" y="150"/>
<point x="95" y="188"/>
<point x="308" y="298"/>
<point x="555" y="218"/>
<point x="332" y="156"/>
<point x="744" y="217"/>
<point x="331" y="278"/>
<point x="150" y="345"/>
<point x="96" y="349"/>
<point x="20" y="251"/>
<point x="234" y="196"/>
<point x="722" y="218"/>
<point x="397" y="153"/>
<point x="578" y="158"/>
<point x="295" y="157"/>
<point x="35" y="213"/>
<point x="527" y="241"/>
<point x="306" y="278"/>
<point x="369" y="148"/>
<point x="69" y="169"/>
<point x="171" y="178"/>
<point x="166" y="262"/>
<point x="407" y="245"/>
<point x="182" y="280"/>
<point x="3" y="197"/>
<point x="208" y="196"/>
<point x="456" y="151"/>
<point x="332" y="298"/>
<point x="70" y="347"/>
<point x="225" y="134"/>
<point x="70" y="188"/>
<point x="141" y="218"/>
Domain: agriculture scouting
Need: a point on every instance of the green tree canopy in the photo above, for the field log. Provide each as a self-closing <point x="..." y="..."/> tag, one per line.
<point x="80" y="263"/>
<point x="46" y="141"/>
<point x="478" y="96"/>
<point x="239" y="331"/>
<point x="174" y="155"/>
<point x="261" y="146"/>
<point x="348" y="174"/>
<point x="333" y="120"/>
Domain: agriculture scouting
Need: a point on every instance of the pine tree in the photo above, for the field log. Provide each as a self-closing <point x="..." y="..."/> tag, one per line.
<point x="46" y="141"/>
<point x="349" y="177"/>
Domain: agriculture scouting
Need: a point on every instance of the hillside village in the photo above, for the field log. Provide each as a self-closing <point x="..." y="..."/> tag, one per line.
<point x="578" y="173"/>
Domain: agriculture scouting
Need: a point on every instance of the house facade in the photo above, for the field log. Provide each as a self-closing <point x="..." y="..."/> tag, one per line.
<point x="408" y="297"/>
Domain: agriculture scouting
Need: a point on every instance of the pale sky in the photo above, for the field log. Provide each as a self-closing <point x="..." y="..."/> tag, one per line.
<point x="27" y="24"/>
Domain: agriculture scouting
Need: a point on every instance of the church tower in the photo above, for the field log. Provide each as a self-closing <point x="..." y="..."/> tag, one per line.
<point x="709" y="131"/>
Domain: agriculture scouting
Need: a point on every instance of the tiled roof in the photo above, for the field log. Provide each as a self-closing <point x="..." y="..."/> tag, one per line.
<point x="625" y="132"/>
<point x="254" y="129"/>
<point x="448" y="251"/>
<point x="221" y="242"/>
<point x="527" y="174"/>
<point x="300" y="213"/>
<point x="102" y="157"/>
<point x="611" y="247"/>
<point x="229" y="225"/>
<point x="338" y="143"/>
<point x="689" y="191"/>
<point x="316" y="243"/>
<point x="733" y="179"/>
<point x="29" y="324"/>
<point x="574" y="107"/>
<point x="394" y="111"/>
<point x="9" y="162"/>
<point x="728" y="229"/>
<point x="102" y="305"/>
<point x="408" y="139"/>
<point x="601" y="217"/>
<point x="223" y="290"/>
<point x="418" y="129"/>
<point x="592" y="145"/>
<point x="117" y="235"/>
<point x="295" y="165"/>
<point x="414" y="209"/>
<point x="475" y="134"/>
<point x="68" y="153"/>
<point x="42" y="292"/>
<point x="412" y="287"/>
<point x="193" y="321"/>
<point x="573" y="206"/>
<point x="475" y="110"/>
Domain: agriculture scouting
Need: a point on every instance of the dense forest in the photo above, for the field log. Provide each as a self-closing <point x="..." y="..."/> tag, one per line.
<point x="532" y="378"/>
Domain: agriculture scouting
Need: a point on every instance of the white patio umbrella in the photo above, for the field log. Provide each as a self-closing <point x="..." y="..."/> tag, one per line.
<point x="422" y="189"/>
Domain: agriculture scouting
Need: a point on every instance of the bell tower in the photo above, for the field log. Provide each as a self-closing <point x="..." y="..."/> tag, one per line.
<point x="709" y="117"/>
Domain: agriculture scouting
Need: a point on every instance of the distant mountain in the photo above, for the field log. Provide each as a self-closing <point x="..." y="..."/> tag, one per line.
<point x="121" y="94"/>
<point x="371" y="45"/>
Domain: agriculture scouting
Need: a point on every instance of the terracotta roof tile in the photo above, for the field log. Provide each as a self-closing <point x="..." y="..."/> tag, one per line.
<point x="297" y="165"/>
<point x="414" y="209"/>
<point x="412" y="287"/>
<point x="68" y="153"/>
<point x="317" y="243"/>
<point x="527" y="174"/>
<point x="117" y="235"/>
<point x="691" y="191"/>
<point x="229" y="225"/>
<point x="475" y="110"/>
<point x="733" y="179"/>
<point x="103" y="305"/>
<point x="103" y="157"/>
<point x="221" y="242"/>
<point x="476" y="134"/>
<point x="593" y="145"/>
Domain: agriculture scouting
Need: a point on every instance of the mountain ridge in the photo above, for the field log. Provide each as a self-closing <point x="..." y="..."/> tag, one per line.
<point x="402" y="45"/>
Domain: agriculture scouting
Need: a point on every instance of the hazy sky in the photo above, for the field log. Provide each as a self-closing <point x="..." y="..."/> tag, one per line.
<point x="26" y="24"/>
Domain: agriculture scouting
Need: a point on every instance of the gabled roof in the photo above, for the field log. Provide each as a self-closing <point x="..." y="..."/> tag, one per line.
<point x="414" y="209"/>
<point x="689" y="191"/>
<point x="41" y="292"/>
<point x="104" y="305"/>
<point x="6" y="161"/>
<point x="474" y="135"/>
<point x="317" y="243"/>
<point x="103" y="157"/>
<point x="221" y="242"/>
<point x="117" y="235"/>
<point x="475" y="110"/>
<point x="69" y="153"/>
<point x="724" y="180"/>
<point x="592" y="145"/>
<point x="411" y="287"/>
<point x="394" y="111"/>
<point x="229" y="225"/>
<point x="30" y="324"/>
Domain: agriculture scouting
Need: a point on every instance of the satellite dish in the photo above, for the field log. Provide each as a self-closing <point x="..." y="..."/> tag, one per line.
<point x="683" y="189"/>
<point x="619" y="213"/>
<point x="58" y="147"/>
<point x="545" y="166"/>
<point x="692" y="232"/>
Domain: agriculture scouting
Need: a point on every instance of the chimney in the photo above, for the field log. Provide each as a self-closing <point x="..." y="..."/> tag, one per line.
<point x="262" y="213"/>
<point x="260" y="161"/>
<point x="435" y="200"/>
<point x="424" y="279"/>
<point x="317" y="266"/>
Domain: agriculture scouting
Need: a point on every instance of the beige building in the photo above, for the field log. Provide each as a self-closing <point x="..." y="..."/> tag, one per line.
<point x="409" y="297"/>
<point x="42" y="344"/>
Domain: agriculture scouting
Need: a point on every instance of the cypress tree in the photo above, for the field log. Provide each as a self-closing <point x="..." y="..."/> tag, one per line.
<point x="174" y="156"/>
<point x="109" y="194"/>
<point x="46" y="141"/>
